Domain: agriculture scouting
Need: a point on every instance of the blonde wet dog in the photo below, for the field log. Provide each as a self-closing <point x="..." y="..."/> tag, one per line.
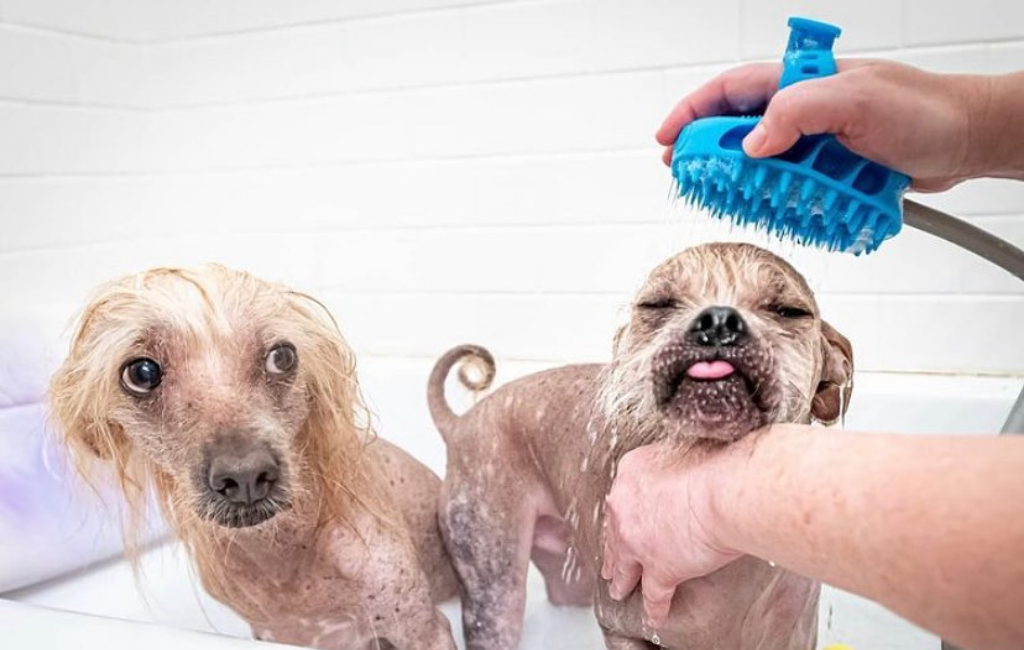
<point x="723" y="339"/>
<point x="236" y="400"/>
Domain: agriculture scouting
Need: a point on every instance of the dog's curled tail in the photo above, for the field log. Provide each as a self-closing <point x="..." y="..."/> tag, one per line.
<point x="476" y="372"/>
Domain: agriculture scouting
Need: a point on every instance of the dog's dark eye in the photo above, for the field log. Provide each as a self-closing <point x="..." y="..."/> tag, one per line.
<point x="140" y="376"/>
<point x="658" y="303"/>
<point x="281" y="359"/>
<point x="787" y="311"/>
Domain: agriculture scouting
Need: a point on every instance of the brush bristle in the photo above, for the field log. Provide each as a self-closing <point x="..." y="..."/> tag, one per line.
<point x="793" y="207"/>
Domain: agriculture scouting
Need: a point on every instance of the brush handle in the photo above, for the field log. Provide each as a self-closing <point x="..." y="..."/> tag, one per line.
<point x="809" y="52"/>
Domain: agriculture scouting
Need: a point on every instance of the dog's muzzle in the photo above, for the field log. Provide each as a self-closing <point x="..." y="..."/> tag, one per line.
<point x="242" y="485"/>
<point x="714" y="376"/>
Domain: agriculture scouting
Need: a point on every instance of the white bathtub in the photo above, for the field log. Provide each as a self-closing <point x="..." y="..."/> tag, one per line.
<point x="171" y="599"/>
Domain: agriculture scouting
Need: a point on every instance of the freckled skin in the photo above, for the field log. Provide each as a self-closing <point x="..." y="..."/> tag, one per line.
<point x="529" y="466"/>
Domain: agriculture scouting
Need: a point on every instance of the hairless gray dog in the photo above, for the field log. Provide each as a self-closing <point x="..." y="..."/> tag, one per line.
<point x="723" y="339"/>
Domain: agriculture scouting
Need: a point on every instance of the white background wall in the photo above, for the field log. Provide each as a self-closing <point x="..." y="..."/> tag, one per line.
<point x="442" y="171"/>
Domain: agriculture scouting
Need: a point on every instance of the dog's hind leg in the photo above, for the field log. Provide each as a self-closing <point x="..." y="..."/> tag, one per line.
<point x="489" y="537"/>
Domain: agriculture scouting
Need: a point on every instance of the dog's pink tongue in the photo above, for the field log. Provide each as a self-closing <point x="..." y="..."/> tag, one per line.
<point x="710" y="370"/>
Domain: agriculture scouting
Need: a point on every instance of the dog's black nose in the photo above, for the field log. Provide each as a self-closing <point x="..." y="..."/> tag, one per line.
<point x="718" y="326"/>
<point x="245" y="478"/>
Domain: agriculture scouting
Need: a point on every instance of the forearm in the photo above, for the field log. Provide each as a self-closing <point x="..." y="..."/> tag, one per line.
<point x="997" y="126"/>
<point x="932" y="528"/>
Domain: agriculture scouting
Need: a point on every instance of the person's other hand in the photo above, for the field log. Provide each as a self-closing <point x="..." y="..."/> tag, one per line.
<point x="659" y="525"/>
<point x="917" y="122"/>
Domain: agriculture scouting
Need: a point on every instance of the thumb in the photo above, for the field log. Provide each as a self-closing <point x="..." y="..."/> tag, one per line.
<point x="805" y="108"/>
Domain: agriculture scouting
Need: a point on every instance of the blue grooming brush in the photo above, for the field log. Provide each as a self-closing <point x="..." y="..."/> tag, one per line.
<point x="818" y="193"/>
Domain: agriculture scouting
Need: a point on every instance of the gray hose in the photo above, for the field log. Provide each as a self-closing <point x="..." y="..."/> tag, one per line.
<point x="981" y="243"/>
<point x="965" y="235"/>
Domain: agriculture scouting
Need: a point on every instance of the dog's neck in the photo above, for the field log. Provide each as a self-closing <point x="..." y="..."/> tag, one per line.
<point x="244" y="566"/>
<point x="294" y="539"/>
<point x="280" y="545"/>
<point x="611" y="444"/>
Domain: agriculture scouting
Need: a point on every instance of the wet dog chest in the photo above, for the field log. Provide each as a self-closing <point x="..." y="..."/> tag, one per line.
<point x="322" y="612"/>
<point x="319" y="595"/>
<point x="336" y="595"/>
<point x="748" y="604"/>
<point x="296" y="589"/>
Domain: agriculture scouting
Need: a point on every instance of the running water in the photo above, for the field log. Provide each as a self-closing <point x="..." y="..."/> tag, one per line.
<point x="571" y="568"/>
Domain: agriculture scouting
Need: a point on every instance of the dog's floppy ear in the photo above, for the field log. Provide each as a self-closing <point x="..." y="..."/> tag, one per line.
<point x="339" y="425"/>
<point x="835" y="386"/>
<point x="79" y="393"/>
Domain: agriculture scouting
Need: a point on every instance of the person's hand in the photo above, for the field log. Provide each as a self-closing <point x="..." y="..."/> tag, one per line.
<point x="660" y="525"/>
<point x="923" y="124"/>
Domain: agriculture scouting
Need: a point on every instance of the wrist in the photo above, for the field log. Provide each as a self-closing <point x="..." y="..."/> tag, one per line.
<point x="995" y="107"/>
<point x="731" y="486"/>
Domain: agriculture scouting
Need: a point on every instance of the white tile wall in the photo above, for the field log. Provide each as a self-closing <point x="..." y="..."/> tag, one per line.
<point x="450" y="170"/>
<point x="953" y="22"/>
<point x="44" y="140"/>
<point x="150" y="21"/>
<point x="44" y="71"/>
<point x="506" y="41"/>
<point x="493" y="119"/>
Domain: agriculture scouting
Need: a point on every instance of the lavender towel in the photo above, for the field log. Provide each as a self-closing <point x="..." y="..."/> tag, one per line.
<point x="50" y="523"/>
